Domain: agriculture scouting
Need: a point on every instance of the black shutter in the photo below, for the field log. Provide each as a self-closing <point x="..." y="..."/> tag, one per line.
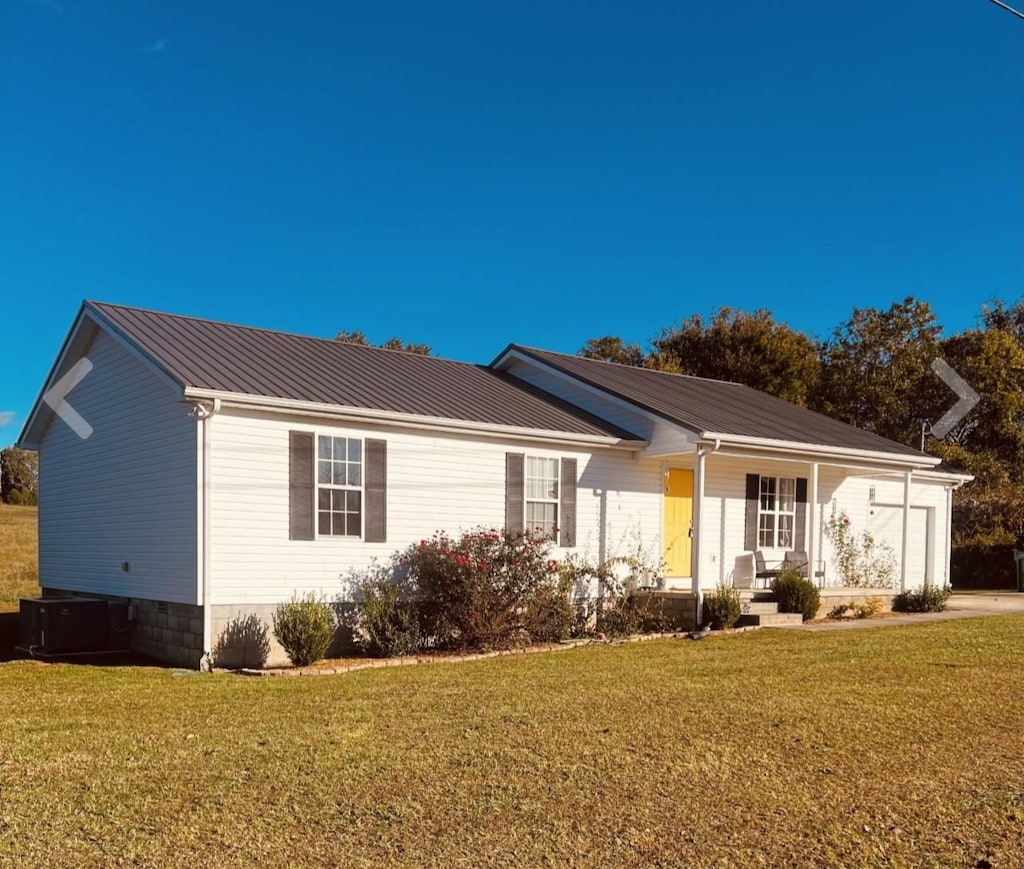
<point x="567" y="504"/>
<point x="753" y="494"/>
<point x="376" y="510"/>
<point x="514" y="491"/>
<point x="300" y="485"/>
<point x="800" y="534"/>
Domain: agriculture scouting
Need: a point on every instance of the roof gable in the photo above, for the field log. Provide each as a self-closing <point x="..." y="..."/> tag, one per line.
<point x="715" y="407"/>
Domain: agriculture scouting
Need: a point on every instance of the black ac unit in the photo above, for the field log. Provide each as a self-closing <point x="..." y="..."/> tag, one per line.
<point x="66" y="625"/>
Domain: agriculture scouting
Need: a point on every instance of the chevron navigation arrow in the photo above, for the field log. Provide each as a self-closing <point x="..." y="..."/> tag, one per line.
<point x="968" y="398"/>
<point x="55" y="397"/>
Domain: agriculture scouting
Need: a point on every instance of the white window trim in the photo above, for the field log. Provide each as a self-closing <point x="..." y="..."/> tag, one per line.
<point x="317" y="485"/>
<point x="527" y="500"/>
<point x="776" y="513"/>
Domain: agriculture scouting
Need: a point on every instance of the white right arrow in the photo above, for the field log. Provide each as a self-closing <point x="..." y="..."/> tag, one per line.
<point x="968" y="398"/>
<point x="55" y="398"/>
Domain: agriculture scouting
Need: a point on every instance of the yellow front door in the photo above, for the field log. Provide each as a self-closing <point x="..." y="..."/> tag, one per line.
<point x="678" y="522"/>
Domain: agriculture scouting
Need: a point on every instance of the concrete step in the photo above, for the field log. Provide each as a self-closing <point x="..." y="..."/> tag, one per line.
<point x="768" y="620"/>
<point x="755" y="594"/>
<point x="759" y="607"/>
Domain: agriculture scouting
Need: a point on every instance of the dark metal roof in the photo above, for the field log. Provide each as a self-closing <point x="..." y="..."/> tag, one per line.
<point x="244" y="360"/>
<point x="716" y="406"/>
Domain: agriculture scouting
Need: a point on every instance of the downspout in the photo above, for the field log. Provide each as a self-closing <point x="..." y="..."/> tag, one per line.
<point x="205" y="414"/>
<point x="699" y="472"/>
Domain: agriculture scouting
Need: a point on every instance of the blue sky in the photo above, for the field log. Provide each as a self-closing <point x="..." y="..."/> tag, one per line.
<point x="469" y="174"/>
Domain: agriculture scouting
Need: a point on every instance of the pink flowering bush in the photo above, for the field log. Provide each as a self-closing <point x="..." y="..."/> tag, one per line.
<point x="488" y="589"/>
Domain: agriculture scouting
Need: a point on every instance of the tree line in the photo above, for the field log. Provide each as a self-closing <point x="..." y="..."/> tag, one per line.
<point x="874" y="371"/>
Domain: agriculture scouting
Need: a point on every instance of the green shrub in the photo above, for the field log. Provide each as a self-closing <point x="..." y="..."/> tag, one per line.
<point x="304" y="627"/>
<point x="550" y="614"/>
<point x="624" y="615"/>
<point x="722" y="607"/>
<point x="389" y="625"/>
<point x="929" y="599"/>
<point x="796" y="594"/>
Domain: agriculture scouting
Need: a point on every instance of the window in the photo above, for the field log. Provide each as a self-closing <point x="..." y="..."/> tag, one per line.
<point x="542" y="495"/>
<point x="339" y="478"/>
<point x="776" y="513"/>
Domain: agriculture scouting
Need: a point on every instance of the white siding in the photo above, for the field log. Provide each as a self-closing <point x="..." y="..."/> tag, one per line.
<point x="125" y="494"/>
<point x="435" y="482"/>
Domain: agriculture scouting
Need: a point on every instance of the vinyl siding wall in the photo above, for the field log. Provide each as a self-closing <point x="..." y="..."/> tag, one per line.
<point x="434" y="482"/>
<point x="125" y="494"/>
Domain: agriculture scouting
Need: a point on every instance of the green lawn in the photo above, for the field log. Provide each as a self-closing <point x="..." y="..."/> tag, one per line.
<point x="895" y="746"/>
<point x="19" y="572"/>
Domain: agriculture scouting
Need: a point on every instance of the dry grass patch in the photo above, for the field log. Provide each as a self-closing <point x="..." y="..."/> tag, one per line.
<point x="896" y="746"/>
<point x="19" y="555"/>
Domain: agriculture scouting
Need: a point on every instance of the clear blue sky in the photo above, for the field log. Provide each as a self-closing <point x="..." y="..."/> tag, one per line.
<point x="469" y="174"/>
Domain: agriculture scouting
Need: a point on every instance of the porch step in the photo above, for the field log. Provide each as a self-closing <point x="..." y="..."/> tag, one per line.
<point x="759" y="595"/>
<point x="769" y="619"/>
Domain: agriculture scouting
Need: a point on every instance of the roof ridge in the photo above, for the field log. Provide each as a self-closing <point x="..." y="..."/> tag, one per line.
<point x="268" y="330"/>
<point x="630" y="367"/>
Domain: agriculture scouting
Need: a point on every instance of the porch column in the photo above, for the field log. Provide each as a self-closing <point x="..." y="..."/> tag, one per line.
<point x="904" y="555"/>
<point x="812" y="530"/>
<point x="698" y="529"/>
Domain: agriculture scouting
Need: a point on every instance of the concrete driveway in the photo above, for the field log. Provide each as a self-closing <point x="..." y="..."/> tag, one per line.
<point x="960" y="606"/>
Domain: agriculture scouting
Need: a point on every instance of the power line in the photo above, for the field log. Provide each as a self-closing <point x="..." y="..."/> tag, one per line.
<point x="1008" y="8"/>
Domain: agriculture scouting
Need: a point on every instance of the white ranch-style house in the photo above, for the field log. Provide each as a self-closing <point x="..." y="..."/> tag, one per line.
<point x="228" y="468"/>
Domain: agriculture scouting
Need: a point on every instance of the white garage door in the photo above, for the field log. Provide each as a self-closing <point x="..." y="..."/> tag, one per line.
<point x="887" y="527"/>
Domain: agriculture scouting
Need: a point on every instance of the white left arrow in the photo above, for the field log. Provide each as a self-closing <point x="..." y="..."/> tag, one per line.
<point x="56" y="398"/>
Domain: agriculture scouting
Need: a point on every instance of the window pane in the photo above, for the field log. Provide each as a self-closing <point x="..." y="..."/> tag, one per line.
<point x="338" y="523"/>
<point x="355" y="475"/>
<point x="355" y="500"/>
<point x="766" y="534"/>
<point x="786" y="531"/>
<point x="337" y="500"/>
<point x="353" y="524"/>
<point x="324" y="447"/>
<point x="355" y="447"/>
<point x="787" y="494"/>
<point x="324" y="472"/>
<point x="325" y="523"/>
<point x="340" y="478"/>
<point x="323" y="499"/>
<point x="767" y="493"/>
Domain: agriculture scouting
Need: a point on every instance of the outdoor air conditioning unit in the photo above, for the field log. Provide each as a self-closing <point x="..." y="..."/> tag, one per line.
<point x="70" y="625"/>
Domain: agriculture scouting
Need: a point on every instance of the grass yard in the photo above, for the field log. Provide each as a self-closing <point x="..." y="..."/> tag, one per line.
<point x="894" y="746"/>
<point x="19" y="571"/>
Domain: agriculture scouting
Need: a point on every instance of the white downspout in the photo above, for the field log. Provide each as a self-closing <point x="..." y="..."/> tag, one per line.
<point x="206" y="414"/>
<point x="698" y="513"/>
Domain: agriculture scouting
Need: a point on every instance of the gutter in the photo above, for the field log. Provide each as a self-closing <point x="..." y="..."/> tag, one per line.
<point x="917" y="462"/>
<point x="403" y="420"/>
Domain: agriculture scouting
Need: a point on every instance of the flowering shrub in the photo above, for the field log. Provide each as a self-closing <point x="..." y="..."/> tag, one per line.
<point x="862" y="562"/>
<point x="616" y="612"/>
<point x="487" y="588"/>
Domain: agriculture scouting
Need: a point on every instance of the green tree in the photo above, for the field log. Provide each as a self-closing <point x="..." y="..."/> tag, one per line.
<point x="19" y="476"/>
<point x="876" y="371"/>
<point x="989" y="442"/>
<point x="612" y="349"/>
<point x="357" y="337"/>
<point x="748" y="348"/>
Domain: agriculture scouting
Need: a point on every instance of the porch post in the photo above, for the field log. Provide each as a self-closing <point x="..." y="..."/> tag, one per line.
<point x="698" y="529"/>
<point x="812" y="531"/>
<point x="904" y="559"/>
